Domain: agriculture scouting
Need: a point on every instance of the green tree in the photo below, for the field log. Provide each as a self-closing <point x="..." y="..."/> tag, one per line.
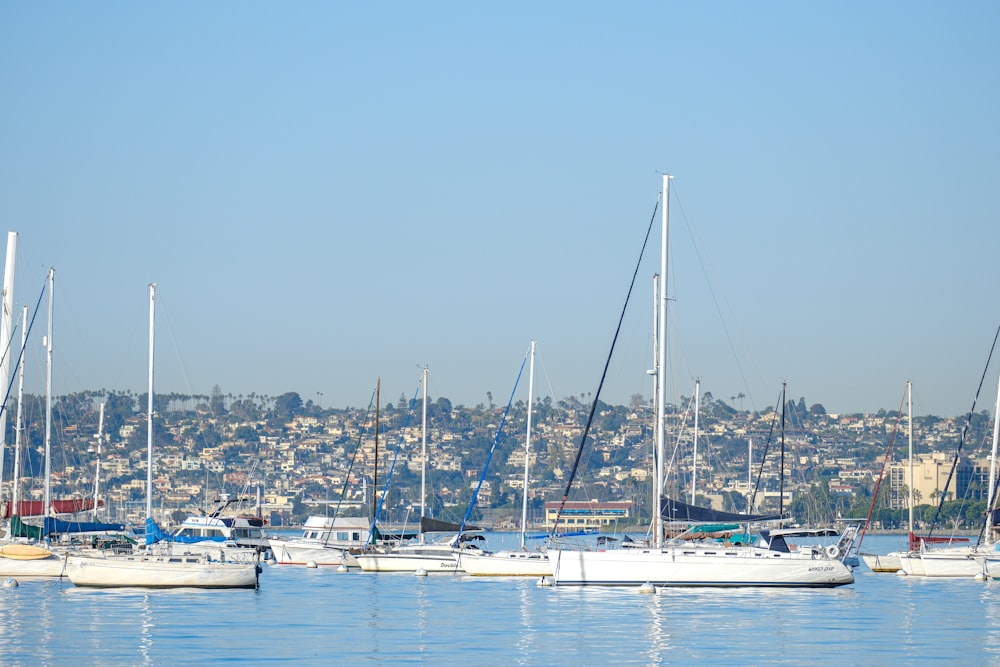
<point x="287" y="405"/>
<point x="217" y="402"/>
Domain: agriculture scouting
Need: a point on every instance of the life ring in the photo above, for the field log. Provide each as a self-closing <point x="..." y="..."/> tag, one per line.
<point x="833" y="551"/>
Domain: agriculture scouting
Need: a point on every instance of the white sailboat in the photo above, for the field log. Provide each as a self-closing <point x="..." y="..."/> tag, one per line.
<point x="160" y="565"/>
<point x="968" y="560"/>
<point x="512" y="562"/>
<point x="324" y="541"/>
<point x="770" y="562"/>
<point x="890" y="562"/>
<point x="19" y="559"/>
<point x="329" y="540"/>
<point x="422" y="555"/>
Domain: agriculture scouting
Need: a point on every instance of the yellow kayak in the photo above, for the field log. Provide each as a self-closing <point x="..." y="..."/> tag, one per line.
<point x="24" y="552"/>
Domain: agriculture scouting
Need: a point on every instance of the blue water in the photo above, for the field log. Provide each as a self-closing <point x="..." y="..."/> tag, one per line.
<point x="306" y="616"/>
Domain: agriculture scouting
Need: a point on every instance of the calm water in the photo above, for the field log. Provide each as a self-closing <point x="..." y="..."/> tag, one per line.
<point x="320" y="617"/>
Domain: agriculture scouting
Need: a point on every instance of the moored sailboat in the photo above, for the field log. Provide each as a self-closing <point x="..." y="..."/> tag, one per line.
<point x="519" y="562"/>
<point x="981" y="560"/>
<point x="769" y="562"/>
<point x="159" y="565"/>
<point x="434" y="555"/>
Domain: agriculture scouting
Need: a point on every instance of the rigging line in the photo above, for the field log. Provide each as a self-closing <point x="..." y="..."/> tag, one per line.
<point x="20" y="354"/>
<point x="545" y="373"/>
<point x="878" y="484"/>
<point x="489" y="456"/>
<point x="965" y="429"/>
<point x="715" y="300"/>
<point x="392" y="466"/>
<point x="350" y="467"/>
<point x="177" y="350"/>
<point x="10" y="342"/>
<point x="763" y="457"/>
<point x="19" y="323"/>
<point x="604" y="374"/>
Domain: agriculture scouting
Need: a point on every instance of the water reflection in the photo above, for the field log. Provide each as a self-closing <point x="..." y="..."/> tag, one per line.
<point x="311" y="617"/>
<point x="659" y="633"/>
<point x="147" y="627"/>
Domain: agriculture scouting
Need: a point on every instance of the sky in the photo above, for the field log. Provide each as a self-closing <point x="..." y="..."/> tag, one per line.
<point x="327" y="193"/>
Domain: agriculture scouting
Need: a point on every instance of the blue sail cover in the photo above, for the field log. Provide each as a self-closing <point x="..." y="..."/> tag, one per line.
<point x="153" y="532"/>
<point x="676" y="510"/>
<point x="53" y="526"/>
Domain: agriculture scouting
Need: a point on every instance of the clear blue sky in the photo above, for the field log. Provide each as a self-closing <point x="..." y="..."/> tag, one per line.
<point x="328" y="192"/>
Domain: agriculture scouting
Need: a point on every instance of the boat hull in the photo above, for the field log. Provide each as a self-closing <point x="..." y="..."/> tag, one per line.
<point x="409" y="561"/>
<point x="141" y="571"/>
<point x="693" y="567"/>
<point x="889" y="562"/>
<point x="50" y="566"/>
<point x="291" y="552"/>
<point x="951" y="562"/>
<point x="506" y="564"/>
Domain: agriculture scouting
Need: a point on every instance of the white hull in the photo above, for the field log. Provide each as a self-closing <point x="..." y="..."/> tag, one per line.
<point x="52" y="566"/>
<point x="951" y="562"/>
<point x="154" y="571"/>
<point x="301" y="552"/>
<point x="506" y="564"/>
<point x="216" y="550"/>
<point x="883" y="562"/>
<point x="410" y="559"/>
<point x="697" y="566"/>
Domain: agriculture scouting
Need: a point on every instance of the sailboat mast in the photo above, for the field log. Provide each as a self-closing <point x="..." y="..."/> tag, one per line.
<point x="48" y="400"/>
<point x="19" y="424"/>
<point x="423" y="452"/>
<point x="149" y="408"/>
<point x="993" y="457"/>
<point x="661" y="363"/>
<point x="6" y="333"/>
<point x="97" y="467"/>
<point x="527" y="445"/>
<point x="654" y="371"/>
<point x="694" y="466"/>
<point x="378" y="394"/>
<point x="781" y="471"/>
<point x="909" y="422"/>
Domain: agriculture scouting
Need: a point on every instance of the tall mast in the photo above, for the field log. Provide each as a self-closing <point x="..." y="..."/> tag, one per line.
<point x="655" y="371"/>
<point x="423" y="452"/>
<point x="6" y="333"/>
<point x="694" y="467"/>
<point x="909" y="421"/>
<point x="97" y="467"/>
<point x="781" y="471"/>
<point x="48" y="399"/>
<point x="993" y="459"/>
<point x="149" y="408"/>
<point x="661" y="362"/>
<point x="527" y="445"/>
<point x="18" y="425"/>
<point x="378" y="394"/>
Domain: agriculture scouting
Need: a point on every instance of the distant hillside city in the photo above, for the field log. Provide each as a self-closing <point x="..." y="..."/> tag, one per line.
<point x="290" y="458"/>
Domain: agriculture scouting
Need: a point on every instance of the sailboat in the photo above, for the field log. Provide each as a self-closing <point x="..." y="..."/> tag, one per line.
<point x="890" y="562"/>
<point x="770" y="562"/>
<point x="161" y="565"/>
<point x="19" y="559"/>
<point x="513" y="562"/>
<point x="973" y="560"/>
<point x="329" y="540"/>
<point x="419" y="555"/>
